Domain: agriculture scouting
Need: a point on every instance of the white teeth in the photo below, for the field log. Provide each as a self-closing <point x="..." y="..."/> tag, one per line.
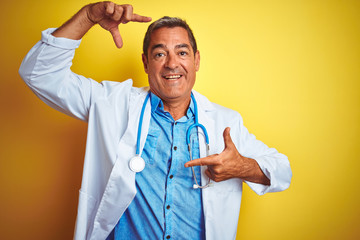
<point x="172" y="76"/>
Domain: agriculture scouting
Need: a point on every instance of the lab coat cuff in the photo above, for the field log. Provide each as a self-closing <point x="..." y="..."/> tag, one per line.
<point x="258" y="188"/>
<point x="64" y="43"/>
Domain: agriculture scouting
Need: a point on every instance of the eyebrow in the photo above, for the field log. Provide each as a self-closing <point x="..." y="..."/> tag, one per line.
<point x="182" y="45"/>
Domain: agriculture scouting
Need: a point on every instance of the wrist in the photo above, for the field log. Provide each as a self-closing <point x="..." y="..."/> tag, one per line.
<point x="76" y="27"/>
<point x="85" y="18"/>
<point x="89" y="18"/>
<point x="245" y="167"/>
<point x="252" y="172"/>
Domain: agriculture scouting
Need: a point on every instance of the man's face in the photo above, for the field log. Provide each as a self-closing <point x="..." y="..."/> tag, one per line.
<point x="171" y="64"/>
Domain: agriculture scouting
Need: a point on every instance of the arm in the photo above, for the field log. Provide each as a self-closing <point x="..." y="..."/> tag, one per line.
<point x="257" y="160"/>
<point x="46" y="68"/>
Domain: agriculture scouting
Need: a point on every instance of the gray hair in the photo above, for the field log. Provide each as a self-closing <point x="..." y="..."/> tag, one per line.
<point x="168" y="22"/>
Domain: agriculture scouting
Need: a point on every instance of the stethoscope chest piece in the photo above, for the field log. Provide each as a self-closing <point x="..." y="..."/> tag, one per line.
<point x="137" y="164"/>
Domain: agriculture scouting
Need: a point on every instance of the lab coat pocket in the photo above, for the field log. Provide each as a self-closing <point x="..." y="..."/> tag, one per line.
<point x="231" y="185"/>
<point x="149" y="150"/>
<point x="85" y="216"/>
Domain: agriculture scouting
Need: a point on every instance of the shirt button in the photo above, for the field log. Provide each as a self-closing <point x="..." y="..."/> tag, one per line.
<point x="168" y="207"/>
<point x="175" y="123"/>
<point x="168" y="237"/>
<point x="175" y="148"/>
<point x="171" y="176"/>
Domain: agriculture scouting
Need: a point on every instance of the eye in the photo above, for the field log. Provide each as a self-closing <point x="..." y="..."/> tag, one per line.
<point x="183" y="53"/>
<point x="159" y="55"/>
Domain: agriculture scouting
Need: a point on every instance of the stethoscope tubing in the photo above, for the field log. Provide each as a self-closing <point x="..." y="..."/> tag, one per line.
<point x="195" y="125"/>
<point x="140" y="124"/>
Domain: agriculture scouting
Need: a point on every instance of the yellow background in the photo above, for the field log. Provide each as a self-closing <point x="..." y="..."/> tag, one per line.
<point x="291" y="68"/>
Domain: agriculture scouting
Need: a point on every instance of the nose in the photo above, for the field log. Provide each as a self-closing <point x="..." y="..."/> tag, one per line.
<point x="171" y="61"/>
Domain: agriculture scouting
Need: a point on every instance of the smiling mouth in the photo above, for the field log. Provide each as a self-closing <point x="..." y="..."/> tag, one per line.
<point x="172" y="77"/>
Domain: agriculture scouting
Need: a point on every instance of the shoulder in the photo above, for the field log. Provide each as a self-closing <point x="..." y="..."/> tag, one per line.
<point x="112" y="91"/>
<point x="216" y="111"/>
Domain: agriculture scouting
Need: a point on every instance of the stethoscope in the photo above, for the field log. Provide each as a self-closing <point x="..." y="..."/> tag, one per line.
<point x="137" y="163"/>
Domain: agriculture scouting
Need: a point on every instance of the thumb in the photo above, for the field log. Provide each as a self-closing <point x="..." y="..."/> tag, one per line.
<point x="116" y="36"/>
<point x="227" y="138"/>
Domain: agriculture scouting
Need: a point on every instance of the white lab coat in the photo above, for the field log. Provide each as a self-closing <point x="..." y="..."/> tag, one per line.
<point x="112" y="111"/>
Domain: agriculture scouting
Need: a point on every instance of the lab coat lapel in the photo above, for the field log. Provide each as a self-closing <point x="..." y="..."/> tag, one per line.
<point x="208" y="194"/>
<point x="120" y="189"/>
<point x="221" y="202"/>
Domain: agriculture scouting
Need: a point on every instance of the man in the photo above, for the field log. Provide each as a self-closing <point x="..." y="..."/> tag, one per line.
<point x="115" y="202"/>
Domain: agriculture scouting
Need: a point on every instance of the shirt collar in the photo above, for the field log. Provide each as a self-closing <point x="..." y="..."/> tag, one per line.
<point x="157" y="107"/>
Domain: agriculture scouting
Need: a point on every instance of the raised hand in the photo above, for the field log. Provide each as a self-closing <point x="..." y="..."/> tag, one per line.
<point x="107" y="14"/>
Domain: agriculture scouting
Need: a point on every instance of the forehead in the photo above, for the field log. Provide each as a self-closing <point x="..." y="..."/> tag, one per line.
<point x="169" y="36"/>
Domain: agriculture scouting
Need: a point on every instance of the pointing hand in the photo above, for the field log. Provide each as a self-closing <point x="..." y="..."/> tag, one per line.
<point x="221" y="166"/>
<point x="230" y="164"/>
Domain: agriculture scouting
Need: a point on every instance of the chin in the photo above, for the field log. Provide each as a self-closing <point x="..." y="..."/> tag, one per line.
<point x="176" y="93"/>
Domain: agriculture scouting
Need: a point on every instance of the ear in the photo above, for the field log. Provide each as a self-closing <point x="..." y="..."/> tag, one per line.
<point x="197" y="60"/>
<point x="145" y="62"/>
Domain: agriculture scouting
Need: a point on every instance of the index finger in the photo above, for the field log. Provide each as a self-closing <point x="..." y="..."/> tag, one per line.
<point x="206" y="161"/>
<point x="138" y="18"/>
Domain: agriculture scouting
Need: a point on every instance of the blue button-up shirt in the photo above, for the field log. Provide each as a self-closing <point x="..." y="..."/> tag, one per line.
<point x="165" y="206"/>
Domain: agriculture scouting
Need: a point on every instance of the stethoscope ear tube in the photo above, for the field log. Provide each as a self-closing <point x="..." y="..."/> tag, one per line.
<point x="197" y="185"/>
<point x="188" y="133"/>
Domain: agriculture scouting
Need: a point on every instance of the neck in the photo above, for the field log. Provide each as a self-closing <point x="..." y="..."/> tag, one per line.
<point x="177" y="109"/>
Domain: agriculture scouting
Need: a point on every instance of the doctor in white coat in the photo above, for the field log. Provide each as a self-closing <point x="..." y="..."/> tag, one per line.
<point x="112" y="110"/>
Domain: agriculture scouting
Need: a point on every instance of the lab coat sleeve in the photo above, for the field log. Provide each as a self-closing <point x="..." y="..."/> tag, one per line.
<point x="46" y="70"/>
<point x="273" y="164"/>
